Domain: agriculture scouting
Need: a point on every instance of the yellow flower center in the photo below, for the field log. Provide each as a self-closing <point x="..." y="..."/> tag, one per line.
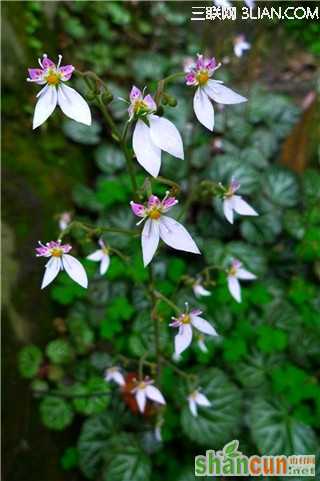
<point x="105" y="250"/>
<point x="233" y="271"/>
<point x="56" y="252"/>
<point x="53" y="78"/>
<point x="155" y="214"/>
<point x="139" y="106"/>
<point x="185" y="319"/>
<point x="203" y="77"/>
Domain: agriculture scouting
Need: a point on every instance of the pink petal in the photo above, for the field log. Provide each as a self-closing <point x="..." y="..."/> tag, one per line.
<point x="138" y="209"/>
<point x="169" y="202"/>
<point x="153" y="201"/>
<point x="135" y="94"/>
<point x="150" y="102"/>
<point x="66" y="71"/>
<point x="47" y="63"/>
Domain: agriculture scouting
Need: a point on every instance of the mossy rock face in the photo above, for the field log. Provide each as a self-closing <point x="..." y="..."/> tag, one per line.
<point x="40" y="169"/>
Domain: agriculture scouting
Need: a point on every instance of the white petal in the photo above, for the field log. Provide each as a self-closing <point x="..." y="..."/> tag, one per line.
<point x="203" y="109"/>
<point x="118" y="378"/>
<point x="234" y="288"/>
<point x="147" y="153"/>
<point x="149" y="240"/>
<point x="175" y="235"/>
<point x="105" y="262"/>
<point x="228" y="210"/>
<point x="244" y="274"/>
<point x="73" y="105"/>
<point x="75" y="270"/>
<point x="52" y="270"/>
<point x="222" y="94"/>
<point x="141" y="400"/>
<point x="201" y="291"/>
<point x="166" y="136"/>
<point x="202" y="346"/>
<point x="202" y="325"/>
<point x="154" y="394"/>
<point x="202" y="400"/>
<point x="193" y="407"/>
<point x="183" y="339"/>
<point x="96" y="256"/>
<point x="46" y="104"/>
<point x="242" y="207"/>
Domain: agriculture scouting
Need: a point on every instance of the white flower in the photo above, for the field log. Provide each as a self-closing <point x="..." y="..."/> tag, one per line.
<point x="159" y="226"/>
<point x="185" y="322"/>
<point x="235" y="203"/>
<point x="240" y="45"/>
<point x="61" y="260"/>
<point x="55" y="92"/>
<point x="102" y="256"/>
<point x="64" y="220"/>
<point x="198" y="75"/>
<point x="201" y="344"/>
<point x="199" y="290"/>
<point x="114" y="374"/>
<point x="152" y="133"/>
<point x="195" y="399"/>
<point x="250" y="3"/>
<point x="144" y="390"/>
<point x="222" y="3"/>
<point x="235" y="273"/>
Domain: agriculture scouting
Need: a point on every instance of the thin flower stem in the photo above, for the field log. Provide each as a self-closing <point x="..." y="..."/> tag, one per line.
<point x="141" y="364"/>
<point x="171" y="183"/>
<point x="121" y="140"/>
<point x="179" y="371"/>
<point x="119" y="254"/>
<point x="155" y="319"/>
<point x="94" y="230"/>
<point x="167" y="301"/>
<point x="66" y="395"/>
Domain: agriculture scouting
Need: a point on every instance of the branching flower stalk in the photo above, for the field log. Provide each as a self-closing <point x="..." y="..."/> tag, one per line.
<point x="152" y="134"/>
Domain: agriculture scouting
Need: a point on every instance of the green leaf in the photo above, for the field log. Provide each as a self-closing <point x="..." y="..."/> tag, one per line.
<point x="56" y="413"/>
<point x="218" y="423"/>
<point x="93" y="440"/>
<point x="281" y="187"/>
<point x="91" y="404"/>
<point x="128" y="464"/>
<point x="262" y="230"/>
<point x="81" y="334"/>
<point x="252" y="257"/>
<point x="234" y="348"/>
<point x="70" y="458"/>
<point x="253" y="371"/>
<point x="176" y="268"/>
<point x="271" y="339"/>
<point x="65" y="290"/>
<point x="82" y="134"/>
<point x="111" y="191"/>
<point x="275" y="432"/>
<point x="142" y="337"/>
<point x="29" y="361"/>
<point x="86" y="198"/>
<point x="60" y="351"/>
<point x="109" y="159"/>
